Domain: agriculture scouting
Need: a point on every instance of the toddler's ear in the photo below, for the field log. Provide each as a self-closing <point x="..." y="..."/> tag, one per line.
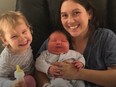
<point x="4" y="42"/>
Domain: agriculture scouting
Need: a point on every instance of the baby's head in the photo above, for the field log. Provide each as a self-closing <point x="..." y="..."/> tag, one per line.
<point x="58" y="42"/>
<point x="15" y="31"/>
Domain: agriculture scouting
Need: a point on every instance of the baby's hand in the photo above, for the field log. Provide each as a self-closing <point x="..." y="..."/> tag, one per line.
<point x="19" y="83"/>
<point x="54" y="71"/>
<point x="78" y="64"/>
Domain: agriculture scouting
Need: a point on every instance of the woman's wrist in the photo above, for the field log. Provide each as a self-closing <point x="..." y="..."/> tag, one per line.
<point x="80" y="73"/>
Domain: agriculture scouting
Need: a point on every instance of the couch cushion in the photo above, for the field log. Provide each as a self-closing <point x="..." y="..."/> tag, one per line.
<point x="112" y="15"/>
<point x="37" y="13"/>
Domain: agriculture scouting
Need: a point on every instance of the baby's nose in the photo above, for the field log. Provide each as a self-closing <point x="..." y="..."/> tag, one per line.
<point x="58" y="41"/>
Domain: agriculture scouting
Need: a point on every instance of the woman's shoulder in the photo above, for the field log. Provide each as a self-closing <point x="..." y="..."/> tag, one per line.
<point x="104" y="32"/>
<point x="103" y="36"/>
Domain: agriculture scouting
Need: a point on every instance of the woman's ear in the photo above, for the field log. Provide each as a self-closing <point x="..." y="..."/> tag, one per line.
<point x="90" y="12"/>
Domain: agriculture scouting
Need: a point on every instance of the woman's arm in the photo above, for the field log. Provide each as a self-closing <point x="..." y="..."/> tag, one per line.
<point x="41" y="78"/>
<point x="105" y="78"/>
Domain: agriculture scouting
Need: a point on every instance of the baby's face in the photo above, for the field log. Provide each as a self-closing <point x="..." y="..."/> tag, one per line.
<point x="58" y="43"/>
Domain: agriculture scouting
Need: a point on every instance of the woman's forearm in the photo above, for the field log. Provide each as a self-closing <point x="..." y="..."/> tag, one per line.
<point x="41" y="79"/>
<point x="105" y="78"/>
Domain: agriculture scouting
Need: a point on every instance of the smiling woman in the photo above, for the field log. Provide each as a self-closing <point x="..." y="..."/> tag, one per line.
<point x="75" y="18"/>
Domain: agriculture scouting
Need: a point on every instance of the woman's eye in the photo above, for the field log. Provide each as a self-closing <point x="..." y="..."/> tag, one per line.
<point x="64" y="16"/>
<point x="76" y="13"/>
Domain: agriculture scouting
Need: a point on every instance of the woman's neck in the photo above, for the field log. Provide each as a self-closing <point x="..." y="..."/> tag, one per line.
<point x="79" y="43"/>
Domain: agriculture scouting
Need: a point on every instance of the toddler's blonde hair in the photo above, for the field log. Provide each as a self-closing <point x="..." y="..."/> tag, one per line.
<point x="10" y="20"/>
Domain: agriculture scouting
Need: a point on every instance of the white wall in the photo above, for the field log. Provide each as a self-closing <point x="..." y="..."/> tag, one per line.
<point x="6" y="5"/>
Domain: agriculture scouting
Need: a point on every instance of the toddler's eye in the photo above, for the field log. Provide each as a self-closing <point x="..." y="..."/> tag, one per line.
<point x="14" y="37"/>
<point x="24" y="32"/>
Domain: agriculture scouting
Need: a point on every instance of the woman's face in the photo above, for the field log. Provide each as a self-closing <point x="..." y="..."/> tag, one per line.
<point x="74" y="18"/>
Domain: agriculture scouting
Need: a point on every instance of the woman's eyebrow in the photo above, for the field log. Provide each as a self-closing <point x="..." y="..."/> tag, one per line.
<point x="77" y="9"/>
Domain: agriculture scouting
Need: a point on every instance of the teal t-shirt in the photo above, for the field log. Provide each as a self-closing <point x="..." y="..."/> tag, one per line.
<point x="100" y="52"/>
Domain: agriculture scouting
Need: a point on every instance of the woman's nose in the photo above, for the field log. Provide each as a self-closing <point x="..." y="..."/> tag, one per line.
<point x="70" y="19"/>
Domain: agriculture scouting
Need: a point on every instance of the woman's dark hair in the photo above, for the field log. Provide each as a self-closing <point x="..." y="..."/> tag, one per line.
<point x="95" y="22"/>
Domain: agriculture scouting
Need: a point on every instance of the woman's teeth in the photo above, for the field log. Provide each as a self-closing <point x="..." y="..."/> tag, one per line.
<point x="73" y="27"/>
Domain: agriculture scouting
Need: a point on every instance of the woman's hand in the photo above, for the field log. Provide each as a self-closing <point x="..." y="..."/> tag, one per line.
<point x="67" y="70"/>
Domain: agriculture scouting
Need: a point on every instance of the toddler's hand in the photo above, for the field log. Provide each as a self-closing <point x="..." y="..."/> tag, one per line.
<point x="19" y="83"/>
